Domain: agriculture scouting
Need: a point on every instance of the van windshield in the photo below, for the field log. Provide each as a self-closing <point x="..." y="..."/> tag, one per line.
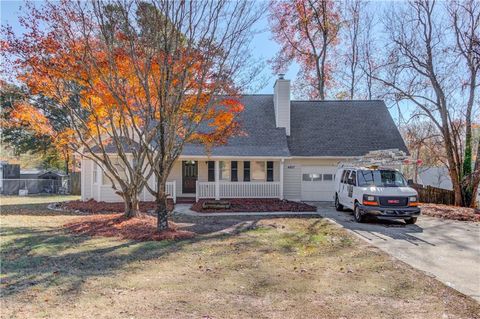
<point x="381" y="178"/>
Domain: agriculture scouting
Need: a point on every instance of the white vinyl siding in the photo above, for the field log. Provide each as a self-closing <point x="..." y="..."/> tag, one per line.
<point x="292" y="180"/>
<point x="292" y="186"/>
<point x="87" y="181"/>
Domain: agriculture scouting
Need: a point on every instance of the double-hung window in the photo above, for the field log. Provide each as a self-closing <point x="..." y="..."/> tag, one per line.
<point x="224" y="171"/>
<point x="234" y="171"/>
<point x="269" y="171"/>
<point x="246" y="171"/>
<point x="211" y="171"/>
<point x="95" y="173"/>
<point x="258" y="171"/>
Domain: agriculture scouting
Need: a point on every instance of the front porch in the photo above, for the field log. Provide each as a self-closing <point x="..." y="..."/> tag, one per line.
<point x="228" y="178"/>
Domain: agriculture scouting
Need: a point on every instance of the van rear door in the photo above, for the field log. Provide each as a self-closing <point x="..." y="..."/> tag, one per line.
<point x="342" y="194"/>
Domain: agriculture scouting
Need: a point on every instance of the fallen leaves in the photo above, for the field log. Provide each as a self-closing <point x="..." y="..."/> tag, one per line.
<point x="451" y="212"/>
<point x="116" y="225"/>
<point x="257" y="205"/>
<point x="93" y="207"/>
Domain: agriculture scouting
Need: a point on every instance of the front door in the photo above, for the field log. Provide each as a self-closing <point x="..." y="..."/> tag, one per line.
<point x="189" y="176"/>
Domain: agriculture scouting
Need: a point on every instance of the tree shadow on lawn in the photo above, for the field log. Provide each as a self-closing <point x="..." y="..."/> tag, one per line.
<point x="53" y="257"/>
<point x="40" y="209"/>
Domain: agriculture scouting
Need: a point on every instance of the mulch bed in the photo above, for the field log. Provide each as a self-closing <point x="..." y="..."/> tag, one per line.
<point x="451" y="212"/>
<point x="257" y="205"/>
<point x="116" y="225"/>
<point x="93" y="207"/>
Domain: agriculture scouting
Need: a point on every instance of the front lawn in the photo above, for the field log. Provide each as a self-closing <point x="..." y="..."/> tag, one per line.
<point x="234" y="268"/>
<point x="6" y="200"/>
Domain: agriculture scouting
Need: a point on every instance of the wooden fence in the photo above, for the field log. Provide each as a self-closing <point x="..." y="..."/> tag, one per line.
<point x="430" y="194"/>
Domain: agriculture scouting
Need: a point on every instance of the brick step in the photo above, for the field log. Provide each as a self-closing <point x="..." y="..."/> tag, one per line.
<point x="185" y="200"/>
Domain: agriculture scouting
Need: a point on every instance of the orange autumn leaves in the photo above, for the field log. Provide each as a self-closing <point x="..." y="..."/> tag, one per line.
<point x="27" y="115"/>
<point x="119" y="87"/>
<point x="307" y="31"/>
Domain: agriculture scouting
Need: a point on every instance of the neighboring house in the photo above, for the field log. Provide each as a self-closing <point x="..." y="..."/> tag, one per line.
<point x="35" y="181"/>
<point x="31" y="173"/>
<point x="8" y="173"/>
<point x="291" y="150"/>
<point x="435" y="176"/>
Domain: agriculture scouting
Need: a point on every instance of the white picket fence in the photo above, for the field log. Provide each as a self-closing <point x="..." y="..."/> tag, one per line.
<point x="146" y="196"/>
<point x="171" y="190"/>
<point x="205" y="190"/>
<point x="238" y="190"/>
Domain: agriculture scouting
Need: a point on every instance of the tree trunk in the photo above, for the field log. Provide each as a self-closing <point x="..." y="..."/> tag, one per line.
<point x="475" y="181"/>
<point x="415" y="176"/>
<point x="132" y="208"/>
<point x="161" y="208"/>
<point x="162" y="214"/>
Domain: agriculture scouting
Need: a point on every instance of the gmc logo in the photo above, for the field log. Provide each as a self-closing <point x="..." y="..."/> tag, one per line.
<point x="393" y="201"/>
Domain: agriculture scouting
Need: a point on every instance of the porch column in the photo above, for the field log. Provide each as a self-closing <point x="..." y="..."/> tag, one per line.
<point x="282" y="161"/>
<point x="217" y="180"/>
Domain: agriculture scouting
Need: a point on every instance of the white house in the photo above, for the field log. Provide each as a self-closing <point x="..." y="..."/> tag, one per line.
<point x="290" y="150"/>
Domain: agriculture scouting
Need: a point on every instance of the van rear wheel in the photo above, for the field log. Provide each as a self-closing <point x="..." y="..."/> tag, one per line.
<point x="338" y="206"/>
<point x="357" y="214"/>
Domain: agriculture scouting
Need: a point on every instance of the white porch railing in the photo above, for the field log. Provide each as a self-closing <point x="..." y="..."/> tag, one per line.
<point x="205" y="190"/>
<point x="170" y="189"/>
<point x="239" y="190"/>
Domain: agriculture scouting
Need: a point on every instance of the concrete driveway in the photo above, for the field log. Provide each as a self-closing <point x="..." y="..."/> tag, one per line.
<point x="448" y="250"/>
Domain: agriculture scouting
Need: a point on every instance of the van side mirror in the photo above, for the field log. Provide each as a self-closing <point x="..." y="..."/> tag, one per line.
<point x="410" y="182"/>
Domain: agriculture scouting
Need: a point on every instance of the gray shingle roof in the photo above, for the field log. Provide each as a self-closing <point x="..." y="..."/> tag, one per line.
<point x="261" y="136"/>
<point x="127" y="145"/>
<point x="341" y="128"/>
<point x="318" y="128"/>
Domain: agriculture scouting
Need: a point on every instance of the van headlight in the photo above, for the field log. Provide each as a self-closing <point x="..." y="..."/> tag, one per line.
<point x="412" y="201"/>
<point x="370" y="200"/>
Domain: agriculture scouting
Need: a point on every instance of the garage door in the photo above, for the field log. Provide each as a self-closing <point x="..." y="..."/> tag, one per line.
<point x="317" y="183"/>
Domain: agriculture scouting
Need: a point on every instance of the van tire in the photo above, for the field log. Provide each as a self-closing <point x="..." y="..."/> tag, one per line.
<point x="411" y="221"/>
<point x="338" y="206"/>
<point x="357" y="214"/>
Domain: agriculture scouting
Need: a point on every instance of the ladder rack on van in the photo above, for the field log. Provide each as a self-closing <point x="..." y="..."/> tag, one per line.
<point x="378" y="159"/>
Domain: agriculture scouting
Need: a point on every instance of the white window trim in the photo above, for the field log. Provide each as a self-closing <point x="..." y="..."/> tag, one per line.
<point x="95" y="173"/>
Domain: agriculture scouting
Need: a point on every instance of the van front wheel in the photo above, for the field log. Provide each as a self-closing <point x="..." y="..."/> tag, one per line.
<point x="359" y="218"/>
<point x="411" y="221"/>
<point x="338" y="206"/>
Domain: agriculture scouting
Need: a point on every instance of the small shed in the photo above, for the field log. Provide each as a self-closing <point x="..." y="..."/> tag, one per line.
<point x="53" y="182"/>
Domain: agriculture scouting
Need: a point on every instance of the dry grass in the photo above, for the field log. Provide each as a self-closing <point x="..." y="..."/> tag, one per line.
<point x="234" y="268"/>
<point x="7" y="200"/>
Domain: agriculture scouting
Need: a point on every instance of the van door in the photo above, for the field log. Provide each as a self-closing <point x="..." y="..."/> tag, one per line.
<point x="342" y="194"/>
<point x="351" y="188"/>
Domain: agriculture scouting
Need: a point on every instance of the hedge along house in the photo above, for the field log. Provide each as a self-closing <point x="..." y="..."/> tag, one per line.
<point x="290" y="150"/>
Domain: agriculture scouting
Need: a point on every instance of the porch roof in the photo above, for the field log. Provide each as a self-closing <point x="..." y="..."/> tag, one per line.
<point x="260" y="136"/>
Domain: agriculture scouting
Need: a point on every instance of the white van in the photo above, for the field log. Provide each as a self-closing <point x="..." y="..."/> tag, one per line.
<point x="381" y="192"/>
